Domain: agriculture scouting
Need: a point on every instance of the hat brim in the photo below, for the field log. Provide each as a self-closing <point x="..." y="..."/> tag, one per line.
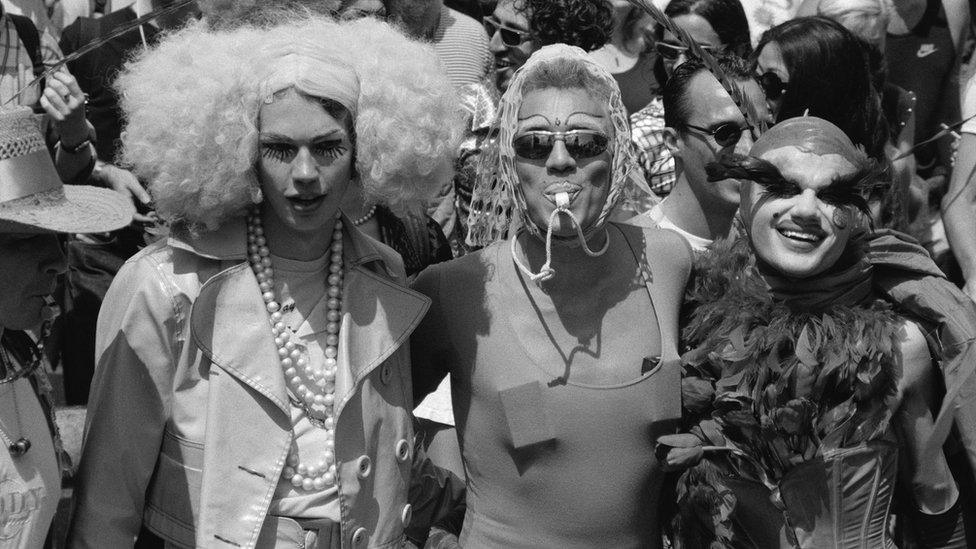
<point x="80" y="209"/>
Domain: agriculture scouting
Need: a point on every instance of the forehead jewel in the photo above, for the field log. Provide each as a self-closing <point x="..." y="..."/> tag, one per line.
<point x="809" y="134"/>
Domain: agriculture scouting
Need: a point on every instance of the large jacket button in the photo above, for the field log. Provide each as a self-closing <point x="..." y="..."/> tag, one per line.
<point x="386" y="373"/>
<point x="402" y="450"/>
<point x="359" y="537"/>
<point x="364" y="467"/>
<point x="406" y="515"/>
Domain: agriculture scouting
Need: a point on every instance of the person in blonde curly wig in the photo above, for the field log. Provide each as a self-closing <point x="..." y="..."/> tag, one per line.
<point x="252" y="386"/>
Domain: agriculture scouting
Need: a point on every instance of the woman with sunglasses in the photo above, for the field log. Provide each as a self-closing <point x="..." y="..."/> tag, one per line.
<point x="717" y="26"/>
<point x="813" y="65"/>
<point x="252" y="379"/>
<point x="561" y="340"/>
<point x="810" y="378"/>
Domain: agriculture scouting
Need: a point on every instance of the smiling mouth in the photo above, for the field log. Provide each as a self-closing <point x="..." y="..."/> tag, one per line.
<point x="305" y="204"/>
<point x="811" y="238"/>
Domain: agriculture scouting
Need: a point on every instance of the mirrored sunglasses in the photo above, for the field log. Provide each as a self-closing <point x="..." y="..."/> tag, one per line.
<point x="510" y="37"/>
<point x="535" y="145"/>
<point x="726" y="135"/>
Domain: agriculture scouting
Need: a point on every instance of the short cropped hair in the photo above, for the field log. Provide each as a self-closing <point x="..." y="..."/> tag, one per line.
<point x="677" y="104"/>
<point x="192" y="119"/>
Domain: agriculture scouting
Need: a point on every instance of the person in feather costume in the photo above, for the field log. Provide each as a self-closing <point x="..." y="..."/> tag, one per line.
<point x="817" y="348"/>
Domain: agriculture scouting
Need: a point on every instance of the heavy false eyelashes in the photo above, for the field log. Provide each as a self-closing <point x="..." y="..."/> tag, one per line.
<point x="844" y="191"/>
<point x="284" y="152"/>
<point x="737" y="166"/>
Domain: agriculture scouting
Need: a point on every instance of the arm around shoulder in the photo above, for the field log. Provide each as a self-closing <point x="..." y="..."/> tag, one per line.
<point x="129" y="404"/>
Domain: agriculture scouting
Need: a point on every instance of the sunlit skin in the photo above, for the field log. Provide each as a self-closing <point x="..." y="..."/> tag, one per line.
<point x="585" y="180"/>
<point x="800" y="236"/>
<point x="699" y="29"/>
<point x="509" y="58"/>
<point x="711" y="107"/>
<point x="29" y="266"/>
<point x="770" y="59"/>
<point x="305" y="167"/>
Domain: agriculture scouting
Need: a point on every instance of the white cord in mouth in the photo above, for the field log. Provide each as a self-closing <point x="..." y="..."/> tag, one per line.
<point x="546" y="271"/>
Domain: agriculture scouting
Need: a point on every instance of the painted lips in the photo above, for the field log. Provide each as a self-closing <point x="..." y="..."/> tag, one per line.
<point x="305" y="204"/>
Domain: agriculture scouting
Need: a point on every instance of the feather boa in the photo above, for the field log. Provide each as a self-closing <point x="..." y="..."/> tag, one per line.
<point x="783" y="385"/>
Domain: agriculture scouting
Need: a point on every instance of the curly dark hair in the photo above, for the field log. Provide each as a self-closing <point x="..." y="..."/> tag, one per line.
<point x="584" y="23"/>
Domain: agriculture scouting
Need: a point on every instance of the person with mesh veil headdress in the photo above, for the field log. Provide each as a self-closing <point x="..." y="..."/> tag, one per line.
<point x="561" y="339"/>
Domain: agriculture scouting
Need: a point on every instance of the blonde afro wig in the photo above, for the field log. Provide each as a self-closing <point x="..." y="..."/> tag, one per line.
<point x="192" y="106"/>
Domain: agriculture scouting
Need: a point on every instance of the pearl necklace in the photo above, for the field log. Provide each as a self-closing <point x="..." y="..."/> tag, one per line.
<point x="366" y="217"/>
<point x="313" y="387"/>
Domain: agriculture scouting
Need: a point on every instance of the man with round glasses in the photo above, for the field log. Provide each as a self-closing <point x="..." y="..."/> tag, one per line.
<point x="519" y="27"/>
<point x="704" y="124"/>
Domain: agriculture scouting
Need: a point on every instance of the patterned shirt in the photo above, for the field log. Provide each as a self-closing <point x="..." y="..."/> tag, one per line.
<point x="16" y="69"/>
<point x="647" y="134"/>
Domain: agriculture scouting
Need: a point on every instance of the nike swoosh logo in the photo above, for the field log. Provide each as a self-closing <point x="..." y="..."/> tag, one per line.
<point x="926" y="50"/>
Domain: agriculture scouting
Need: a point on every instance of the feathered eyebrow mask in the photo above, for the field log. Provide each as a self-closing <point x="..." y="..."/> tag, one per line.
<point x="849" y="190"/>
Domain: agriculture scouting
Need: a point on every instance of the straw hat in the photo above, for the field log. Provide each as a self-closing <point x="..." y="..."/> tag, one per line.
<point x="32" y="197"/>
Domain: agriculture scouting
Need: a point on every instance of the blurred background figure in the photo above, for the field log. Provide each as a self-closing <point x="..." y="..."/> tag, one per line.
<point x="93" y="260"/>
<point x="717" y="26"/>
<point x="519" y="27"/>
<point x="959" y="205"/>
<point x="629" y="55"/>
<point x="459" y="41"/>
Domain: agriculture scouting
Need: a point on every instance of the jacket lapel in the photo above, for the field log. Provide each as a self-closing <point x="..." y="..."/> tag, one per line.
<point x="230" y="324"/>
<point x="378" y="317"/>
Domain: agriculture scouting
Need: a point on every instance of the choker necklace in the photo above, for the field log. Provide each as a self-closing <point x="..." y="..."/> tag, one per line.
<point x="314" y="387"/>
<point x="366" y="217"/>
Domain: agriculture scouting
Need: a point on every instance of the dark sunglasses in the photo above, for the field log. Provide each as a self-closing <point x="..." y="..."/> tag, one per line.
<point x="773" y="85"/>
<point x="673" y="51"/>
<point x="510" y="37"/>
<point x="538" y="144"/>
<point x="726" y="135"/>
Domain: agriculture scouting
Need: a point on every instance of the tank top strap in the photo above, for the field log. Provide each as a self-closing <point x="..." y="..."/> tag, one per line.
<point x="664" y="278"/>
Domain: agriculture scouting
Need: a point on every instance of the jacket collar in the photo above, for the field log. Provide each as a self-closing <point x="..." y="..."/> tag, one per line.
<point x="229" y="243"/>
<point x="230" y="322"/>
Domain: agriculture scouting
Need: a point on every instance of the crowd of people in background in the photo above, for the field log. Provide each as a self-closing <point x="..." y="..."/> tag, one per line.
<point x="487" y="273"/>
